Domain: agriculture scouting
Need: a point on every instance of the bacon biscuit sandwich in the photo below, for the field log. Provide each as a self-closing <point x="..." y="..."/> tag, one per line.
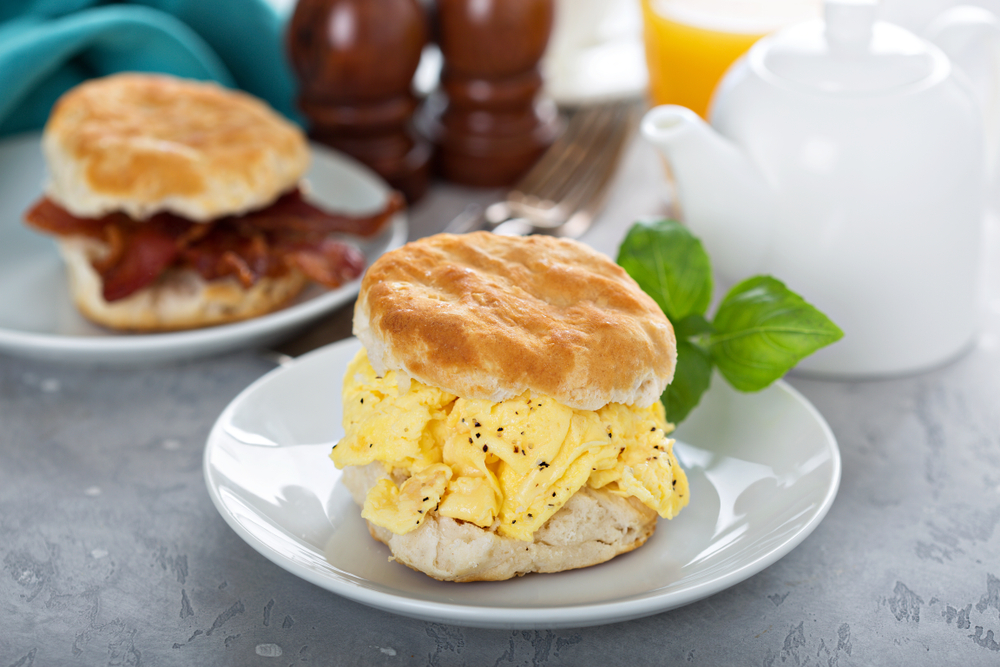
<point x="177" y="204"/>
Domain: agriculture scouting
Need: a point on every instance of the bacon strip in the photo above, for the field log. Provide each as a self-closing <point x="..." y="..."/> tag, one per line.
<point x="47" y="216"/>
<point x="289" y="234"/>
<point x="151" y="252"/>
<point x="293" y="213"/>
<point x="326" y="263"/>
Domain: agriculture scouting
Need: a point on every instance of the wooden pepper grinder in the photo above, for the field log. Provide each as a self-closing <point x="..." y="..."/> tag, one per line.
<point x="490" y="125"/>
<point x="355" y="61"/>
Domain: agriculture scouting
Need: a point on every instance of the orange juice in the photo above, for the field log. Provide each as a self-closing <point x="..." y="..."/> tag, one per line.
<point x="691" y="43"/>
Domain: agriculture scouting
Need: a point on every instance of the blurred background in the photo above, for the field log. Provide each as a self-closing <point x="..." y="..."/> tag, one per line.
<point x="596" y="47"/>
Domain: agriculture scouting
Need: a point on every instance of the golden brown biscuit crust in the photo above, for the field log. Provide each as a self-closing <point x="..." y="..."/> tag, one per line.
<point x="144" y="143"/>
<point x="488" y="316"/>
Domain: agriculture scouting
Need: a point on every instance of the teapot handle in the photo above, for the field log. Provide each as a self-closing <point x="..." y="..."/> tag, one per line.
<point x="970" y="37"/>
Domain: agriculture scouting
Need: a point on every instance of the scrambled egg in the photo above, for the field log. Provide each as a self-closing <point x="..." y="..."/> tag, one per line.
<point x="511" y="464"/>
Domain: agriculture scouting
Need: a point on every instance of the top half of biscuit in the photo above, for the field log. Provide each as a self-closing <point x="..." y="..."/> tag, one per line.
<point x="145" y="143"/>
<point x="488" y="317"/>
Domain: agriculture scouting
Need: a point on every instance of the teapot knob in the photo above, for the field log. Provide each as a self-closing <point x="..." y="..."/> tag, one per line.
<point x="849" y="24"/>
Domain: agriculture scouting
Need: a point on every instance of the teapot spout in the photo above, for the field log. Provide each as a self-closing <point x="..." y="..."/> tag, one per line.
<point x="722" y="196"/>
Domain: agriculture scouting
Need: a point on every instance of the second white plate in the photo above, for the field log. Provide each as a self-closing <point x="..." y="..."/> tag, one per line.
<point x="37" y="316"/>
<point x="764" y="469"/>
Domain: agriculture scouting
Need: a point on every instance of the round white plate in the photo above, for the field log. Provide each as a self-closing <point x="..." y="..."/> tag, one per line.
<point x="37" y="316"/>
<point x="764" y="469"/>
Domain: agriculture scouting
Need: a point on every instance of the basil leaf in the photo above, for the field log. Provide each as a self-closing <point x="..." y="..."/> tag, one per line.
<point x="762" y="329"/>
<point x="670" y="265"/>
<point x="691" y="378"/>
<point x="692" y="325"/>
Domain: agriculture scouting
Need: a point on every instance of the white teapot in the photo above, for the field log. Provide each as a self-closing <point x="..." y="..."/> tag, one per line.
<point x="848" y="158"/>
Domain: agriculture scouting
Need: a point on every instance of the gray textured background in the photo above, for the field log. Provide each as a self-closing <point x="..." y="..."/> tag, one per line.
<point x="112" y="553"/>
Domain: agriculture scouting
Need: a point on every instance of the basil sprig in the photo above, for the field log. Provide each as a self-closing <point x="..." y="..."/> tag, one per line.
<point x="761" y="328"/>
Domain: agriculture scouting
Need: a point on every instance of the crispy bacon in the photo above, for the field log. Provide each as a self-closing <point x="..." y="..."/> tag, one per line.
<point x="47" y="216"/>
<point x="151" y="252"/>
<point x="292" y="213"/>
<point x="224" y="251"/>
<point x="291" y="233"/>
<point x="327" y="262"/>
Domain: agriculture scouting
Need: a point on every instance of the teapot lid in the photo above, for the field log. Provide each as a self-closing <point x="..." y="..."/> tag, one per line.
<point x="849" y="52"/>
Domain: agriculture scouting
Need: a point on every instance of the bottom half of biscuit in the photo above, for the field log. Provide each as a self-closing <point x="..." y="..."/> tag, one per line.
<point x="178" y="299"/>
<point x="593" y="526"/>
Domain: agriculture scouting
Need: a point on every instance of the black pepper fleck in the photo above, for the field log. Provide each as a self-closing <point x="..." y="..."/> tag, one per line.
<point x="486" y="448"/>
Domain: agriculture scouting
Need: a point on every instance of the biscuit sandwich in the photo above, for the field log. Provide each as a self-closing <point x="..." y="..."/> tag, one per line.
<point x="177" y="204"/>
<point x="503" y="416"/>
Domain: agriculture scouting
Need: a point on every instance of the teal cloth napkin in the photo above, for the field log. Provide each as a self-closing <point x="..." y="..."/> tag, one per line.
<point x="49" y="46"/>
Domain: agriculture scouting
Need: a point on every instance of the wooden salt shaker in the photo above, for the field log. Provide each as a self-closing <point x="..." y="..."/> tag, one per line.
<point x="355" y="61"/>
<point x="488" y="121"/>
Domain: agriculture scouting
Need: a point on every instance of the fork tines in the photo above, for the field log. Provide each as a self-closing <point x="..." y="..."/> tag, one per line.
<point x="567" y="187"/>
<point x="574" y="173"/>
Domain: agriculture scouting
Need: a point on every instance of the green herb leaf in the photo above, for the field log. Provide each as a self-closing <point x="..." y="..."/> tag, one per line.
<point x="691" y="378"/>
<point x="670" y="265"/>
<point x="762" y="329"/>
<point x="692" y="325"/>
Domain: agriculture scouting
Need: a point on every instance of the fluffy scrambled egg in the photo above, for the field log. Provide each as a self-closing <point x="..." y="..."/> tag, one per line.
<point x="511" y="464"/>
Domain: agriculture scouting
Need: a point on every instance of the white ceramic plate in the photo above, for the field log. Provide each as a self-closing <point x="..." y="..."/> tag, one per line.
<point x="764" y="469"/>
<point x="37" y="316"/>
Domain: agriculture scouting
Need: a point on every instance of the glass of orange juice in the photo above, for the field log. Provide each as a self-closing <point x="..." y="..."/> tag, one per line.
<point x="691" y="43"/>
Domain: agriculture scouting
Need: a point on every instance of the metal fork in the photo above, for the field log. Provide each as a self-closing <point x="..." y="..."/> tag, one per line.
<point x="567" y="187"/>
